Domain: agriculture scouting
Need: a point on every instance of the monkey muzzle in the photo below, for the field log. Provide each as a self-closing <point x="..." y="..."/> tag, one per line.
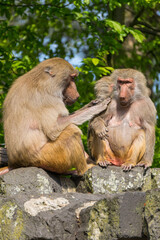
<point x="69" y="101"/>
<point x="124" y="102"/>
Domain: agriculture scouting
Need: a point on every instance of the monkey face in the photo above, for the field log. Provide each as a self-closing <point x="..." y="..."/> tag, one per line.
<point x="126" y="90"/>
<point x="70" y="93"/>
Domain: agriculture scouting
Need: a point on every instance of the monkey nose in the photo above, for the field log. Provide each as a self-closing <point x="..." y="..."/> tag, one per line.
<point x="77" y="96"/>
<point x="122" y="98"/>
<point x="122" y="101"/>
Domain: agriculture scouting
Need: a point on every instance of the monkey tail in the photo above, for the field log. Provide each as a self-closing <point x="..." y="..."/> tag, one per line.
<point x="4" y="170"/>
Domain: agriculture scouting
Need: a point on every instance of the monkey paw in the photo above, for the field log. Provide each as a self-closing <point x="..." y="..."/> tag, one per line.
<point x="103" y="134"/>
<point x="104" y="163"/>
<point x="127" y="166"/>
<point x="98" y="101"/>
<point x="94" y="102"/>
<point x="143" y="164"/>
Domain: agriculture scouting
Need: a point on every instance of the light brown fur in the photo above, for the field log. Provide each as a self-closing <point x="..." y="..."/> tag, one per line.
<point x="38" y="128"/>
<point x="125" y="134"/>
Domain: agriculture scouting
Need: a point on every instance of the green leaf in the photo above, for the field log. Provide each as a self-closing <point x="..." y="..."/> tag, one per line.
<point x="115" y="25"/>
<point x="86" y="2"/>
<point x="137" y="35"/>
<point x="103" y="70"/>
<point x="95" y="61"/>
<point x="110" y="69"/>
<point x="79" y="15"/>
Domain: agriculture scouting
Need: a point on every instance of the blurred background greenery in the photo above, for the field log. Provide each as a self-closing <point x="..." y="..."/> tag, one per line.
<point x="96" y="36"/>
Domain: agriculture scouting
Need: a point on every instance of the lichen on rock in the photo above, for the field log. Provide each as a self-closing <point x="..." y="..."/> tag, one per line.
<point x="104" y="220"/>
<point x="11" y="222"/>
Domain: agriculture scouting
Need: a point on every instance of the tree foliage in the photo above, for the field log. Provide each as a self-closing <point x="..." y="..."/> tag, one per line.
<point x="105" y="34"/>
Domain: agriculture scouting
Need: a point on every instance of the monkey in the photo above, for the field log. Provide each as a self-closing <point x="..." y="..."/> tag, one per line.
<point x="103" y="90"/>
<point x="124" y="134"/>
<point x="38" y="129"/>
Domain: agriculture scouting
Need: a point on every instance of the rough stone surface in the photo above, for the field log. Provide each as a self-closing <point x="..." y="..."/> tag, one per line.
<point x="29" y="180"/>
<point x="51" y="217"/>
<point x="113" y="179"/>
<point x="152" y="214"/>
<point x="155" y="175"/>
<point x="38" y="205"/>
<point x="113" y="218"/>
<point x="131" y="210"/>
<point x="34" y="180"/>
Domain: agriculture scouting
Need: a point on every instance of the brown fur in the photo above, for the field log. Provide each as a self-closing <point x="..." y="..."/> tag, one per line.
<point x="104" y="90"/>
<point x="38" y="128"/>
<point x="104" y="87"/>
<point x="125" y="134"/>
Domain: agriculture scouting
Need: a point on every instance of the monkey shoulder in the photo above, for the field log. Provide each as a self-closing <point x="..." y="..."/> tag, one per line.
<point x="145" y="109"/>
<point x="112" y="105"/>
<point x="143" y="103"/>
<point x="109" y="112"/>
<point x="112" y="108"/>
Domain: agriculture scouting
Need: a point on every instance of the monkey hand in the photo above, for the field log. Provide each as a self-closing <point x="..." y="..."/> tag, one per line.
<point x="94" y="102"/>
<point x="98" y="101"/>
<point x="100" y="106"/>
<point x="102" y="132"/>
<point x="99" y="127"/>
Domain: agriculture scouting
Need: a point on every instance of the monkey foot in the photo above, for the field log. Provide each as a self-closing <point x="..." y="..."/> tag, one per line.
<point x="5" y="170"/>
<point x="127" y="167"/>
<point x="104" y="163"/>
<point x="143" y="164"/>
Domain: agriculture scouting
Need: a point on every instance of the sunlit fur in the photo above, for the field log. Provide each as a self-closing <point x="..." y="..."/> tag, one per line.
<point x="37" y="123"/>
<point x="104" y="87"/>
<point x="130" y="138"/>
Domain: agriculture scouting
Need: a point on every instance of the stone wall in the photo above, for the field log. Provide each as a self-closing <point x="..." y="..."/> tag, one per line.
<point x="104" y="204"/>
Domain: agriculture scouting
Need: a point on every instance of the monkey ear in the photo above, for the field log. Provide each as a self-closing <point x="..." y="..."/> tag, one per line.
<point x="49" y="71"/>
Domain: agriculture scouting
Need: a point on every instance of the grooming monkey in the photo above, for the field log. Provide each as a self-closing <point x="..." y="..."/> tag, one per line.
<point x="124" y="135"/>
<point x="38" y="128"/>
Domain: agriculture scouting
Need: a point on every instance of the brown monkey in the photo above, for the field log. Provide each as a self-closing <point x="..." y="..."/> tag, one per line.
<point x="130" y="120"/>
<point x="38" y="128"/>
<point x="103" y="89"/>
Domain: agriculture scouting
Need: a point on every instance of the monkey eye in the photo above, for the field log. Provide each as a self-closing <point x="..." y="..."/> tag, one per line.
<point x="123" y="82"/>
<point x="127" y="82"/>
<point x="120" y="82"/>
<point x="73" y="76"/>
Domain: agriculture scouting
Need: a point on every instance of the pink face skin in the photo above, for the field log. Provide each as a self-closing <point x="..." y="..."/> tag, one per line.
<point x="126" y="90"/>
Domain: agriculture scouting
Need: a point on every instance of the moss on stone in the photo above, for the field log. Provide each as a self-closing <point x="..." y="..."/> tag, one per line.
<point x="104" y="220"/>
<point x="152" y="213"/>
<point x="2" y="187"/>
<point x="11" y="222"/>
<point x="85" y="184"/>
<point x="155" y="178"/>
<point x="88" y="181"/>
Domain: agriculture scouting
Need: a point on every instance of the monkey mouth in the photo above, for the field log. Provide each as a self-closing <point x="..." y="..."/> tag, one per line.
<point x="124" y="103"/>
<point x="69" y="101"/>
